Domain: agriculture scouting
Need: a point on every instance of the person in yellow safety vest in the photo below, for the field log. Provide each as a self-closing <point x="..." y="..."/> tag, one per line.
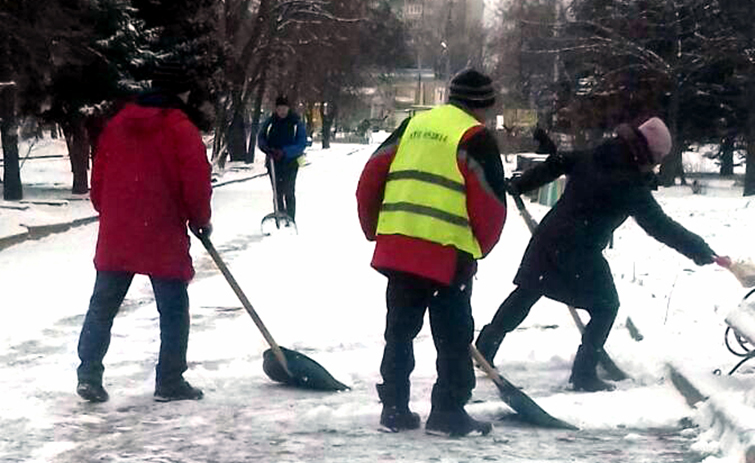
<point x="432" y="197"/>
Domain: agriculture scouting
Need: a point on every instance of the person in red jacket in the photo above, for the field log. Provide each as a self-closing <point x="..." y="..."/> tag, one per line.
<point x="150" y="179"/>
<point x="432" y="198"/>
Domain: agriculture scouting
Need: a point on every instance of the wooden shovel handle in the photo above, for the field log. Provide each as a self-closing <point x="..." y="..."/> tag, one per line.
<point x="244" y="301"/>
<point x="489" y="370"/>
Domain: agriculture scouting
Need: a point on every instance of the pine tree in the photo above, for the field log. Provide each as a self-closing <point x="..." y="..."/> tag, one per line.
<point x="91" y="73"/>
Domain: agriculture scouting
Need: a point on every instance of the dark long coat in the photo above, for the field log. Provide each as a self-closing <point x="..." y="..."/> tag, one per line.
<point x="564" y="259"/>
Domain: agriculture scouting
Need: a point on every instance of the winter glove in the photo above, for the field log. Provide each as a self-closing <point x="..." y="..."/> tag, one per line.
<point x="510" y="187"/>
<point x="201" y="232"/>
<point x="705" y="257"/>
<point x="545" y="144"/>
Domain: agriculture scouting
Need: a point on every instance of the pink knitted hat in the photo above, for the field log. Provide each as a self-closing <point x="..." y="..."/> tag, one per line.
<point x="658" y="137"/>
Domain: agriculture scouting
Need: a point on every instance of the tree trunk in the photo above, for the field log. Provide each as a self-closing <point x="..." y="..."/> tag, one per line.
<point x="727" y="157"/>
<point x="12" y="189"/>
<point x="257" y="110"/>
<point x="671" y="166"/>
<point x="749" y="188"/>
<point x="237" y="132"/>
<point x="255" y="128"/>
<point x="327" y="114"/>
<point x="309" y="114"/>
<point x="78" y="145"/>
<point x="236" y="140"/>
<point x="219" y="153"/>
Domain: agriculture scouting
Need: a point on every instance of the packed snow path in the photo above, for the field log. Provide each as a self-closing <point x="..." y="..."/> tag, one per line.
<point x="317" y="294"/>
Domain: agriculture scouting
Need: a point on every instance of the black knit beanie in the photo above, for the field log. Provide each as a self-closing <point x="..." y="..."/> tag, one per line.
<point x="172" y="77"/>
<point x="282" y="100"/>
<point x="472" y="89"/>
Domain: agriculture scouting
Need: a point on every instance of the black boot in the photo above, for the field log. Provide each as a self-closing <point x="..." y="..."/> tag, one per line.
<point x="488" y="343"/>
<point x="584" y="374"/>
<point x="394" y="419"/>
<point x="396" y="415"/>
<point x="180" y="390"/>
<point x="454" y="423"/>
<point x="92" y="391"/>
<point x="448" y="417"/>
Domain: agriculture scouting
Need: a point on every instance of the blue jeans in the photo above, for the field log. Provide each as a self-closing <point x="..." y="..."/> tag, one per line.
<point x="110" y="289"/>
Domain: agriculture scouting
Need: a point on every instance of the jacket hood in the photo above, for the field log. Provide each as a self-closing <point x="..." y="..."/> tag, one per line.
<point x="148" y="112"/>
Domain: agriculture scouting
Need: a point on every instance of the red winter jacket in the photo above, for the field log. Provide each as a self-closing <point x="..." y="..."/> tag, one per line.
<point x="150" y="178"/>
<point x="480" y="164"/>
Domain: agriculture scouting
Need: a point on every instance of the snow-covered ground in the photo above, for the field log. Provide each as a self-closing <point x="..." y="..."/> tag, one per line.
<point x="317" y="294"/>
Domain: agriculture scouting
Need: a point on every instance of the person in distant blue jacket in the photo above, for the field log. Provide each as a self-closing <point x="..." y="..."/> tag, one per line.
<point x="283" y="137"/>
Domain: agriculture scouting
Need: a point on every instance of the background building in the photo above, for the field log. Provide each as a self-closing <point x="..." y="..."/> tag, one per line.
<point x="445" y="36"/>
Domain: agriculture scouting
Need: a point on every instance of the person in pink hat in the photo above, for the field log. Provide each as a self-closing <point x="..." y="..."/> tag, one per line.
<point x="564" y="259"/>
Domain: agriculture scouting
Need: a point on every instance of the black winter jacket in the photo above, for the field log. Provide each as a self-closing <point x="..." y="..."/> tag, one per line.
<point x="564" y="259"/>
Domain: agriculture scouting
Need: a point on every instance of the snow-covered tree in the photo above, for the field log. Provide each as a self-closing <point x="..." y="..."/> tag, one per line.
<point x="100" y="62"/>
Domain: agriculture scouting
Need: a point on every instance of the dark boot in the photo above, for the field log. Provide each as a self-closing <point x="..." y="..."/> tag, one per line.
<point x="488" y="343"/>
<point x="454" y="423"/>
<point x="584" y="374"/>
<point x="448" y="417"/>
<point x="180" y="390"/>
<point x="396" y="415"/>
<point x="394" y="419"/>
<point x="92" y="391"/>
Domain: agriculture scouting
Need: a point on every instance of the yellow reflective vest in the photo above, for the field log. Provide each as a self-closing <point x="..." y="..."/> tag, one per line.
<point x="425" y="195"/>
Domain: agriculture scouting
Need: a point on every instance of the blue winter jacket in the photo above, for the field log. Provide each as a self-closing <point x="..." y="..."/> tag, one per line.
<point x="288" y="134"/>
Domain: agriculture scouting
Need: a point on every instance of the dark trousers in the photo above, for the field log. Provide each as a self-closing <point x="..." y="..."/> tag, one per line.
<point x="109" y="291"/>
<point x="285" y="186"/>
<point x="516" y="307"/>
<point x="407" y="297"/>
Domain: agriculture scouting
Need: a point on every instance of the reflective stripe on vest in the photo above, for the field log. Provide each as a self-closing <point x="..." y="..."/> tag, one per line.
<point x="425" y="196"/>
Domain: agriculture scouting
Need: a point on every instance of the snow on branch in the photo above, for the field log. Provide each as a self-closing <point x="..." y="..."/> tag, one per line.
<point x="292" y="11"/>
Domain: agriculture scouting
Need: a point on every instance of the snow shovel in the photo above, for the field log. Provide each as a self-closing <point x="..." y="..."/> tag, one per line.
<point x="526" y="408"/>
<point x="743" y="270"/>
<point x="280" y="364"/>
<point x="277" y="216"/>
<point x="612" y="370"/>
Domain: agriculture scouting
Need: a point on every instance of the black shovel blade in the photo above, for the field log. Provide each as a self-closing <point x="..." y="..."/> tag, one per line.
<point x="527" y="409"/>
<point x="305" y="372"/>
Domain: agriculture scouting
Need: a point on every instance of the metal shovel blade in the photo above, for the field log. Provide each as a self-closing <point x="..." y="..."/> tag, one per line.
<point x="526" y="408"/>
<point x="279" y="364"/>
<point x="277" y="220"/>
<point x="305" y="372"/>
